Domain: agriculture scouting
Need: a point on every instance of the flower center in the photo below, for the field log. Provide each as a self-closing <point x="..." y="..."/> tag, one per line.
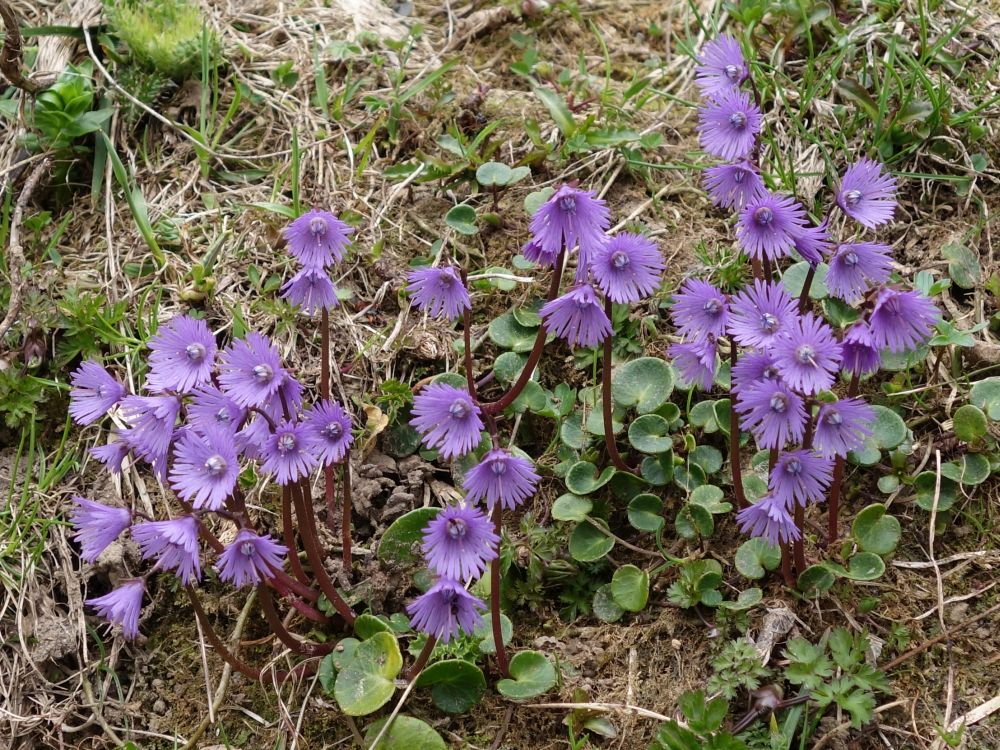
<point x="763" y="216"/>
<point x="779" y="402"/>
<point x="457" y="528"/>
<point x="333" y="431"/>
<point x="768" y="323"/>
<point x="262" y="373"/>
<point x="794" y="466"/>
<point x="286" y="443"/>
<point x="619" y="260"/>
<point x="852" y="197"/>
<point x="739" y="175"/>
<point x="317" y="226"/>
<point x="732" y="72"/>
<point x="215" y="465"/>
<point x="459" y="409"/>
<point x="738" y="120"/>
<point x="806" y="355"/>
<point x="499" y="467"/>
<point x="222" y="416"/>
<point x="834" y="418"/>
<point x="771" y="373"/>
<point x="851" y="258"/>
<point x="247" y="549"/>
<point x="568" y="204"/>
<point x="712" y="306"/>
<point x="195" y="352"/>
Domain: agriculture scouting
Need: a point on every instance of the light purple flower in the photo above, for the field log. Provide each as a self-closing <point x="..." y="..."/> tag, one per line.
<point x="902" y="321"/>
<point x="534" y="252"/>
<point x="286" y="454"/>
<point x="112" y="455"/>
<point x="94" y="392"/>
<point x="752" y="368"/>
<point x="768" y="226"/>
<point x="210" y="406"/>
<point x="628" y="268"/>
<point x="458" y="542"/>
<point x="842" y="426"/>
<point x="572" y="218"/>
<point x="96" y="526"/>
<point x="696" y="362"/>
<point x="768" y="519"/>
<point x="205" y="467"/>
<point x="856" y="267"/>
<point x="501" y="477"/>
<point x="775" y="415"/>
<point x="861" y="356"/>
<point x="249" y="559"/>
<point x="699" y="309"/>
<point x="721" y="66"/>
<point x="577" y="316"/>
<point x="440" y="291"/>
<point x="866" y="194"/>
<point x="328" y="427"/>
<point x="807" y="356"/>
<point x="448" y="420"/>
<point x="728" y="126"/>
<point x="182" y="355"/>
<point x="311" y="289"/>
<point x="801" y="477"/>
<point x="317" y="238"/>
<point x="173" y="543"/>
<point x="733" y="185"/>
<point x="446" y="610"/>
<point x="813" y="242"/>
<point x="122" y="606"/>
<point x="151" y="420"/>
<point x="250" y="370"/>
<point x="761" y="313"/>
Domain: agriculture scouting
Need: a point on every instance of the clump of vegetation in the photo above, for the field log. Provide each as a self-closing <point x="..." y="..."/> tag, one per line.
<point x="164" y="36"/>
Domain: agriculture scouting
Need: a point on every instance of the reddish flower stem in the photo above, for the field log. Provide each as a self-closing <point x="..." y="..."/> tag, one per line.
<point x="798" y="549"/>
<point x="300" y="647"/>
<point x="734" y="439"/>
<point x="806" y="286"/>
<point x="786" y="566"/>
<point x="606" y="407"/>
<point x="833" y="503"/>
<point x="288" y="535"/>
<point x="227" y="656"/>
<point x="328" y="474"/>
<point x="502" y="663"/>
<point x="425" y="653"/>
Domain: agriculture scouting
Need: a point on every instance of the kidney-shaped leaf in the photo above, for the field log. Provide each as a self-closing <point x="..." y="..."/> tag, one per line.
<point x="368" y="681"/>
<point x="644" y="383"/>
<point x="456" y="685"/>
<point x="531" y="674"/>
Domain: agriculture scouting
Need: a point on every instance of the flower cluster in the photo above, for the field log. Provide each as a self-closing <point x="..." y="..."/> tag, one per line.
<point x="317" y="239"/>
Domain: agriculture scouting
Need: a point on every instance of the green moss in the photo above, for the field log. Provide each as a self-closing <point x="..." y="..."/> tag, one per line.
<point x="164" y="36"/>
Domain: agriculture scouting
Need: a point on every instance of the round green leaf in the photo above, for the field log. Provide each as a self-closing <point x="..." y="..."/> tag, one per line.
<point x="888" y="483"/>
<point x="343" y="652"/>
<point x="406" y="733"/>
<point x="368" y="681"/>
<point x="754" y="487"/>
<point x="888" y="429"/>
<point x="702" y="415"/>
<point x="645" y="513"/>
<point x="534" y="200"/>
<point x="508" y="366"/>
<point x="924" y="486"/>
<point x="531" y="675"/>
<point x="400" y="543"/>
<point x="485" y="631"/>
<point x="689" y="477"/>
<point x="707" y="457"/>
<point x="970" y="423"/>
<point x="528" y="316"/>
<point x="816" y="580"/>
<point x="644" y="383"/>
<point x="595" y="420"/>
<point x="794" y="278"/>
<point x="867" y="455"/>
<point x="400" y="441"/>
<point x="605" y="606"/>
<point x="693" y="521"/>
<point x="582" y="478"/>
<point x="462" y="219"/>
<point x="710" y="497"/>
<point x="865" y="566"/>
<point x="570" y="507"/>
<point x="626" y="486"/>
<point x="971" y="468"/>
<point x="571" y="432"/>
<point x="588" y="543"/>
<point x="366" y="625"/>
<point x="650" y="433"/>
<point x="755" y="556"/>
<point x="507" y="333"/>
<point x="630" y="588"/>
<point x="985" y="394"/>
<point x="748" y="598"/>
<point x="493" y="173"/>
<point x="658" y="470"/>
<point x="875" y="531"/>
<point x="456" y="685"/>
<point x="722" y="417"/>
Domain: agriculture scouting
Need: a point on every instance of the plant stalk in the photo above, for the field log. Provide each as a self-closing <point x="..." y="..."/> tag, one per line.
<point x="833" y="503"/>
<point x="735" y="465"/>
<point x="425" y="653"/>
<point x="502" y="663"/>
<point x="606" y="407"/>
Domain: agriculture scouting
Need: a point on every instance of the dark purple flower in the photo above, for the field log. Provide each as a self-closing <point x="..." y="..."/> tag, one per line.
<point x="728" y="125"/>
<point x="440" y="291"/>
<point x="768" y="226"/>
<point x="699" y="309"/>
<point x="501" y="477"/>
<point x="768" y="519"/>
<point x="842" y="426"/>
<point x="445" y="610"/>
<point x="734" y="185"/>
<point x="250" y="370"/>
<point x="861" y="356"/>
<point x="459" y="541"/>
<point x="867" y="195"/>
<point x="813" y="242"/>
<point x="311" y="289"/>
<point x="286" y="454"/>
<point x="801" y="477"/>
<point x="775" y="415"/>
<point x="151" y="420"/>
<point x="448" y="420"/>
<point x="317" y="238"/>
<point x="96" y="526"/>
<point x="173" y="543"/>
<point x="628" y="268"/>
<point x="760" y="314"/>
<point x="721" y="66"/>
<point x="122" y="606"/>
<point x="328" y="427"/>
<point x="577" y="316"/>
<point x="752" y="368"/>
<point x="249" y="559"/>
<point x="572" y="218"/>
<point x="808" y="356"/>
<point x="210" y="406"/>
<point x="94" y="392"/>
<point x="534" y="252"/>
<point x="902" y="321"/>
<point x="205" y="467"/>
<point x="855" y="268"/>
<point x="183" y="355"/>
<point x="112" y="455"/>
<point x="696" y="362"/>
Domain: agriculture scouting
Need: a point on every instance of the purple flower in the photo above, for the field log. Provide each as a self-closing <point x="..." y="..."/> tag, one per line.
<point x="440" y="291"/>
<point x="94" y="392"/>
<point x="501" y="477"/>
<point x="774" y="414"/>
<point x="111" y="455"/>
<point x="572" y="218"/>
<point x="801" y="477"/>
<point x="734" y="185"/>
<point x="728" y="125"/>
<point x="534" y="252"/>
<point x="760" y="314"/>
<point x="173" y="543"/>
<point x="842" y="426"/>
<point x="628" y="268"/>
<point x="768" y="519"/>
<point x="902" y="321"/>
<point x="854" y="268"/>
<point x="861" y="356"/>
<point x="752" y="368"/>
<point x="311" y="290"/>
<point x="250" y="440"/>
<point x="210" y="406"/>
<point x="699" y="309"/>
<point x="183" y="354"/>
<point x="696" y="362"/>
<point x="459" y="541"/>
<point x="577" y="316"/>
<point x="813" y="242"/>
<point x="721" y="66"/>
<point x="97" y="525"/>
<point x="768" y="226"/>
<point x="328" y="427"/>
<point x="250" y="370"/>
<point x="122" y="606"/>
<point x="808" y="356"/>
<point x="445" y="610"/>
<point x="867" y="195"/>
<point x="286" y="454"/>
<point x="151" y="420"/>
<point x="317" y="238"/>
<point x="205" y="467"/>
<point x="249" y="559"/>
<point x="448" y="420"/>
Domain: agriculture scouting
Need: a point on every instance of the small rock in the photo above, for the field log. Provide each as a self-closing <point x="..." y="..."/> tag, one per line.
<point x="160" y="707"/>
